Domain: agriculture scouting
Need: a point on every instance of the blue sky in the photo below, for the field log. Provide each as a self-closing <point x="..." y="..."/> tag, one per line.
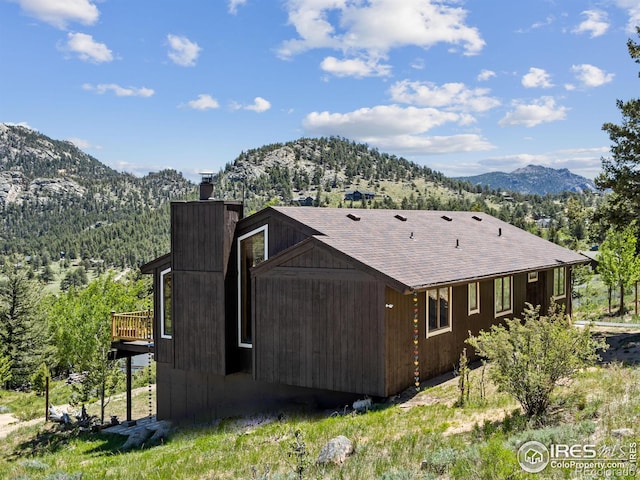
<point x="463" y="87"/>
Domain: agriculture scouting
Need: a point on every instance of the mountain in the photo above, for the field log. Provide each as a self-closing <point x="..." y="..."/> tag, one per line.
<point x="55" y="198"/>
<point x="326" y="168"/>
<point x="534" y="179"/>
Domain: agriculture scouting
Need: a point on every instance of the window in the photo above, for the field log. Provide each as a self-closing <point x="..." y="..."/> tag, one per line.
<point x="503" y="295"/>
<point x="474" y="298"/>
<point x="438" y="311"/>
<point x="252" y="250"/>
<point x="165" y="303"/>
<point x="532" y="277"/>
<point x="559" y="284"/>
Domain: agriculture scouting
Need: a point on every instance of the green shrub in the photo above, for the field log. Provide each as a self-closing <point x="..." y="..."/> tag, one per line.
<point x="39" y="379"/>
<point x="532" y="356"/>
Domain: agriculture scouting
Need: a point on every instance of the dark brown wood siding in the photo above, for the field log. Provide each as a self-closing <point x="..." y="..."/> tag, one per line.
<point x="319" y="324"/>
<point x="440" y="353"/>
<point x="198" y="334"/>
<point x="282" y="234"/>
<point x="202" y="235"/>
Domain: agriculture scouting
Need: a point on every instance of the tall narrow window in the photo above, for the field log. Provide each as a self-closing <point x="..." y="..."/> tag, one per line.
<point x="252" y="250"/>
<point x="165" y="304"/>
<point x="474" y="298"/>
<point x="438" y="311"/>
<point x="559" y="284"/>
<point x="503" y="295"/>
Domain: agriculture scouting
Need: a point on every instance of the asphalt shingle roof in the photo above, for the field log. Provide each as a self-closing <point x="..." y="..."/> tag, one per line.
<point x="427" y="249"/>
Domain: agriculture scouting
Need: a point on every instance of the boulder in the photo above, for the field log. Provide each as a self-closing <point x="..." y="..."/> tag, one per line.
<point x="335" y="451"/>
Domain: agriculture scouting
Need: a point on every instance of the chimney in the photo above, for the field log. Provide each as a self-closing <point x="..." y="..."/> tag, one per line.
<point x="206" y="185"/>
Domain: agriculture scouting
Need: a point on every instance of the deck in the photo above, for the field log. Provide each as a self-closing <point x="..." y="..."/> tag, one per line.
<point x="132" y="326"/>
<point x="131" y="334"/>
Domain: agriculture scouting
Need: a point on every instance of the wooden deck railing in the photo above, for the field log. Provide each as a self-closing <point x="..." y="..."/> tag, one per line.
<point x="131" y="326"/>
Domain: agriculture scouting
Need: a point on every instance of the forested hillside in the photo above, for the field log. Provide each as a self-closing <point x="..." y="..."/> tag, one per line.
<point x="55" y="198"/>
<point x="327" y="169"/>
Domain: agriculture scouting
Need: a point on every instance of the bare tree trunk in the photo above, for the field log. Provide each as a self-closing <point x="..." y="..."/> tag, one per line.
<point x="102" y="405"/>
<point x="621" y="311"/>
<point x="609" y="300"/>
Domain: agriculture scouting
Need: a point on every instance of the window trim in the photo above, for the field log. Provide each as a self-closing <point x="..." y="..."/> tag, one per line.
<point x="164" y="273"/>
<point x="476" y="310"/>
<point x="532" y="277"/>
<point x="495" y="304"/>
<point x="432" y="333"/>
<point x="265" y="229"/>
<point x="564" y="283"/>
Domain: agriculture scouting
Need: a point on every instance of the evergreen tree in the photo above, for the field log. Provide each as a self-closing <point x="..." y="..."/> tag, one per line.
<point x="620" y="172"/>
<point x="5" y="370"/>
<point x="23" y="336"/>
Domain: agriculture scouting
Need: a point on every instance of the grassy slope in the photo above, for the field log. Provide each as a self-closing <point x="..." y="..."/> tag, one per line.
<point x="477" y="441"/>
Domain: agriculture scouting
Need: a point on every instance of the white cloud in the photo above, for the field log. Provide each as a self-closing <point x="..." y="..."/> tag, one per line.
<point x="633" y="10"/>
<point x="182" y="51"/>
<point x="119" y="91"/>
<point x="418" y="64"/>
<point x="546" y="22"/>
<point x="429" y="145"/>
<point x="83" y="144"/>
<point x="259" y="105"/>
<point x="537" y="78"/>
<point x="596" y="23"/>
<point x="371" y="29"/>
<point x="79" y="142"/>
<point x="60" y="13"/>
<point x="203" y="102"/>
<point x="485" y="75"/>
<point x="379" y="121"/>
<point x="234" y="4"/>
<point x="452" y="96"/>
<point x="591" y="76"/>
<point x="87" y="48"/>
<point x="353" y="67"/>
<point x="19" y="124"/>
<point x="543" y="110"/>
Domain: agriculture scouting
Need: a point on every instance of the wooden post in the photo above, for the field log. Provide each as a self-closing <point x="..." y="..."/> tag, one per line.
<point x="129" y="388"/>
<point x="46" y="399"/>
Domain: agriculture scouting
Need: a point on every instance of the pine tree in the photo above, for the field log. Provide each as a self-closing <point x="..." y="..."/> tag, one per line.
<point x="23" y="336"/>
<point x="620" y="172"/>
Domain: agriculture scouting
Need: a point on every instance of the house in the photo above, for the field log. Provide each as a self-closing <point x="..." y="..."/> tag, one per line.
<point x="358" y="195"/>
<point x="327" y="305"/>
<point x="303" y="201"/>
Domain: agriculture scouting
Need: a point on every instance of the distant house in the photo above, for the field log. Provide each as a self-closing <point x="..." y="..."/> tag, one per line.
<point x="326" y="305"/>
<point x="303" y="201"/>
<point x="357" y="195"/>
